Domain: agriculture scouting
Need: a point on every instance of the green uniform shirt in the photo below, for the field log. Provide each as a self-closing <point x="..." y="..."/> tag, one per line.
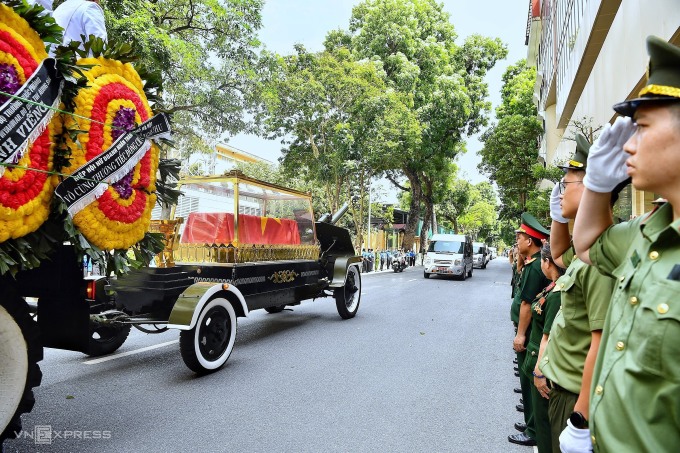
<point x="531" y="282"/>
<point x="585" y="297"/>
<point x="543" y="311"/>
<point x="635" y="398"/>
<point x="544" y="308"/>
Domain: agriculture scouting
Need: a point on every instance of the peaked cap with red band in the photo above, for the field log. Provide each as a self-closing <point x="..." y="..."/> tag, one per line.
<point x="532" y="227"/>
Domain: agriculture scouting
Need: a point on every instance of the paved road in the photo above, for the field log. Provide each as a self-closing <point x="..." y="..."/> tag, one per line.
<point x="425" y="366"/>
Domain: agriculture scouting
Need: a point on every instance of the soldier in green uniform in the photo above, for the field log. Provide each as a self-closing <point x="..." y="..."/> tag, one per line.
<point x="544" y="308"/>
<point x="531" y="282"/>
<point x="635" y="399"/>
<point x="572" y="346"/>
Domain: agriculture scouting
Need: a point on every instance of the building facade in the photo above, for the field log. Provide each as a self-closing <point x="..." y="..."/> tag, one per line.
<point x="589" y="55"/>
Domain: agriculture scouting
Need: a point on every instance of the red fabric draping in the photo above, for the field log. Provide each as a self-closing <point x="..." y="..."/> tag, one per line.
<point x="218" y="228"/>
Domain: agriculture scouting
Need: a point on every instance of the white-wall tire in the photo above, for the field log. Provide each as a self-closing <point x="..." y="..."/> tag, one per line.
<point x="348" y="297"/>
<point x="207" y="346"/>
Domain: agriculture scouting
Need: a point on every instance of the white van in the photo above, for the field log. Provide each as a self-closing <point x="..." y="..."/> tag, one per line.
<point x="449" y="254"/>
<point x="480" y="255"/>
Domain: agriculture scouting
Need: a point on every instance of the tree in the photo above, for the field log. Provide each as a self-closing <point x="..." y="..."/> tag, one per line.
<point x="414" y="42"/>
<point x="205" y="49"/>
<point x="341" y="126"/>
<point x="510" y="146"/>
<point x="480" y="217"/>
<point x="455" y="201"/>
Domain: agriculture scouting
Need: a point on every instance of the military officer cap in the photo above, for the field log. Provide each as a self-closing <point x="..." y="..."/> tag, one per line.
<point x="663" y="77"/>
<point x="532" y="227"/>
<point x="580" y="157"/>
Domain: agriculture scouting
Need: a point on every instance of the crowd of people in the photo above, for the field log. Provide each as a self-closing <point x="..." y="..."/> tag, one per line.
<point x="597" y="313"/>
<point x="378" y="260"/>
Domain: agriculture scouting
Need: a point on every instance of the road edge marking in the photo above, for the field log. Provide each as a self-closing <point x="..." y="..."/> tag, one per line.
<point x="127" y="353"/>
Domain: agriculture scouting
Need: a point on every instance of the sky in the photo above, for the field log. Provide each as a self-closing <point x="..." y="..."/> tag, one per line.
<point x="288" y="22"/>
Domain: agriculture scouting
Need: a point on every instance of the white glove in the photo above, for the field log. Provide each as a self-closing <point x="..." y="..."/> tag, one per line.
<point x="555" y="208"/>
<point x="574" y="440"/>
<point x="607" y="161"/>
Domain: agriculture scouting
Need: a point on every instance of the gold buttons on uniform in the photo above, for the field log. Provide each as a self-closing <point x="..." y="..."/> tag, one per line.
<point x="622" y="278"/>
<point x="633" y="300"/>
<point x="662" y="308"/>
<point x="598" y="390"/>
<point x="592" y="439"/>
<point x="653" y="255"/>
<point x="561" y="285"/>
<point x="533" y="353"/>
<point x="620" y="346"/>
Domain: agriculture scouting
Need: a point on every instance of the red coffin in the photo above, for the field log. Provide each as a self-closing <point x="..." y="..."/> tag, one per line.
<point x="218" y="228"/>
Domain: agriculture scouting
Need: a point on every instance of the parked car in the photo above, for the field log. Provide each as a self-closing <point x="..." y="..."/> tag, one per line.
<point x="449" y="254"/>
<point x="481" y="255"/>
<point x="493" y="253"/>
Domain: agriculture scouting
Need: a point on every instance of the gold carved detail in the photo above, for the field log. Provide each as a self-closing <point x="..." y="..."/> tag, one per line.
<point x="283" y="276"/>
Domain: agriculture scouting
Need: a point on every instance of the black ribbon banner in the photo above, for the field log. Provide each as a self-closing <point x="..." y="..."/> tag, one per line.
<point x="21" y="122"/>
<point x="91" y="180"/>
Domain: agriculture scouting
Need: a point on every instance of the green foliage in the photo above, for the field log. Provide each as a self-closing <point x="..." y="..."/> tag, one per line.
<point x="517" y="92"/>
<point x="552" y="173"/>
<point x="480" y="217"/>
<point x="414" y="42"/>
<point x="205" y="49"/>
<point x="538" y="204"/>
<point x="510" y="147"/>
<point x="341" y="125"/>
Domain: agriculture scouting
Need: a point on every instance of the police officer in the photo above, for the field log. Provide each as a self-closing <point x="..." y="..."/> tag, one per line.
<point x="571" y="350"/>
<point x="636" y="381"/>
<point x="544" y="308"/>
<point x="529" y="241"/>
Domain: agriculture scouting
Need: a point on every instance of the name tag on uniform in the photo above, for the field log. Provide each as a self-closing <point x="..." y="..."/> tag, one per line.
<point x="675" y="273"/>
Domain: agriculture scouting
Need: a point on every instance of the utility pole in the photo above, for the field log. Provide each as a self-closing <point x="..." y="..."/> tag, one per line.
<point x="368" y="246"/>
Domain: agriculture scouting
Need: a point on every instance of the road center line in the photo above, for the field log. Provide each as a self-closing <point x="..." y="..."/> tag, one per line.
<point x="127" y="353"/>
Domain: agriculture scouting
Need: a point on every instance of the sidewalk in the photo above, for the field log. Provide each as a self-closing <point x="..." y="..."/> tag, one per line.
<point x="389" y="270"/>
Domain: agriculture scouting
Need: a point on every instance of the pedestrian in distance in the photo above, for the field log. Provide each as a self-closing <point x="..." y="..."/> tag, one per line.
<point x="570" y="354"/>
<point x="529" y="239"/>
<point x="635" y="397"/>
<point x="544" y="308"/>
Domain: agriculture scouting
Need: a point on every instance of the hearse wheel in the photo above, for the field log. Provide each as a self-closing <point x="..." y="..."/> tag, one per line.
<point x="275" y="309"/>
<point x="348" y="297"/>
<point x="20" y="352"/>
<point x="105" y="338"/>
<point x="207" y="346"/>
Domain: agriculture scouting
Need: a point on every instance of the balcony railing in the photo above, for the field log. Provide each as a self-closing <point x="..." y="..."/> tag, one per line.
<point x="561" y="22"/>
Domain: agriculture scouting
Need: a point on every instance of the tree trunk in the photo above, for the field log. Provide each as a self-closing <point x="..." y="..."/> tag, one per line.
<point x="427" y="222"/>
<point x="435" y="227"/>
<point x="414" y="208"/>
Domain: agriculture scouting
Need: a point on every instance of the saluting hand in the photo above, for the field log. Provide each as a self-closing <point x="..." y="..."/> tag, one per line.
<point x="606" y="160"/>
<point x="555" y="208"/>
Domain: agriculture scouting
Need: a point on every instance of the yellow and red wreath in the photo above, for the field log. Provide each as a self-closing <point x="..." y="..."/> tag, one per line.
<point x="114" y="102"/>
<point x="25" y="195"/>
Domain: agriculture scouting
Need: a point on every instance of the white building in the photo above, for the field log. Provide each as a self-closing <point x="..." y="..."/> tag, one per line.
<point x="589" y="55"/>
<point x="224" y="159"/>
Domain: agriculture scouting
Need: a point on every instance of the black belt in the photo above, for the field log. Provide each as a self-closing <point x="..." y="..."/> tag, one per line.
<point x="554" y="386"/>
